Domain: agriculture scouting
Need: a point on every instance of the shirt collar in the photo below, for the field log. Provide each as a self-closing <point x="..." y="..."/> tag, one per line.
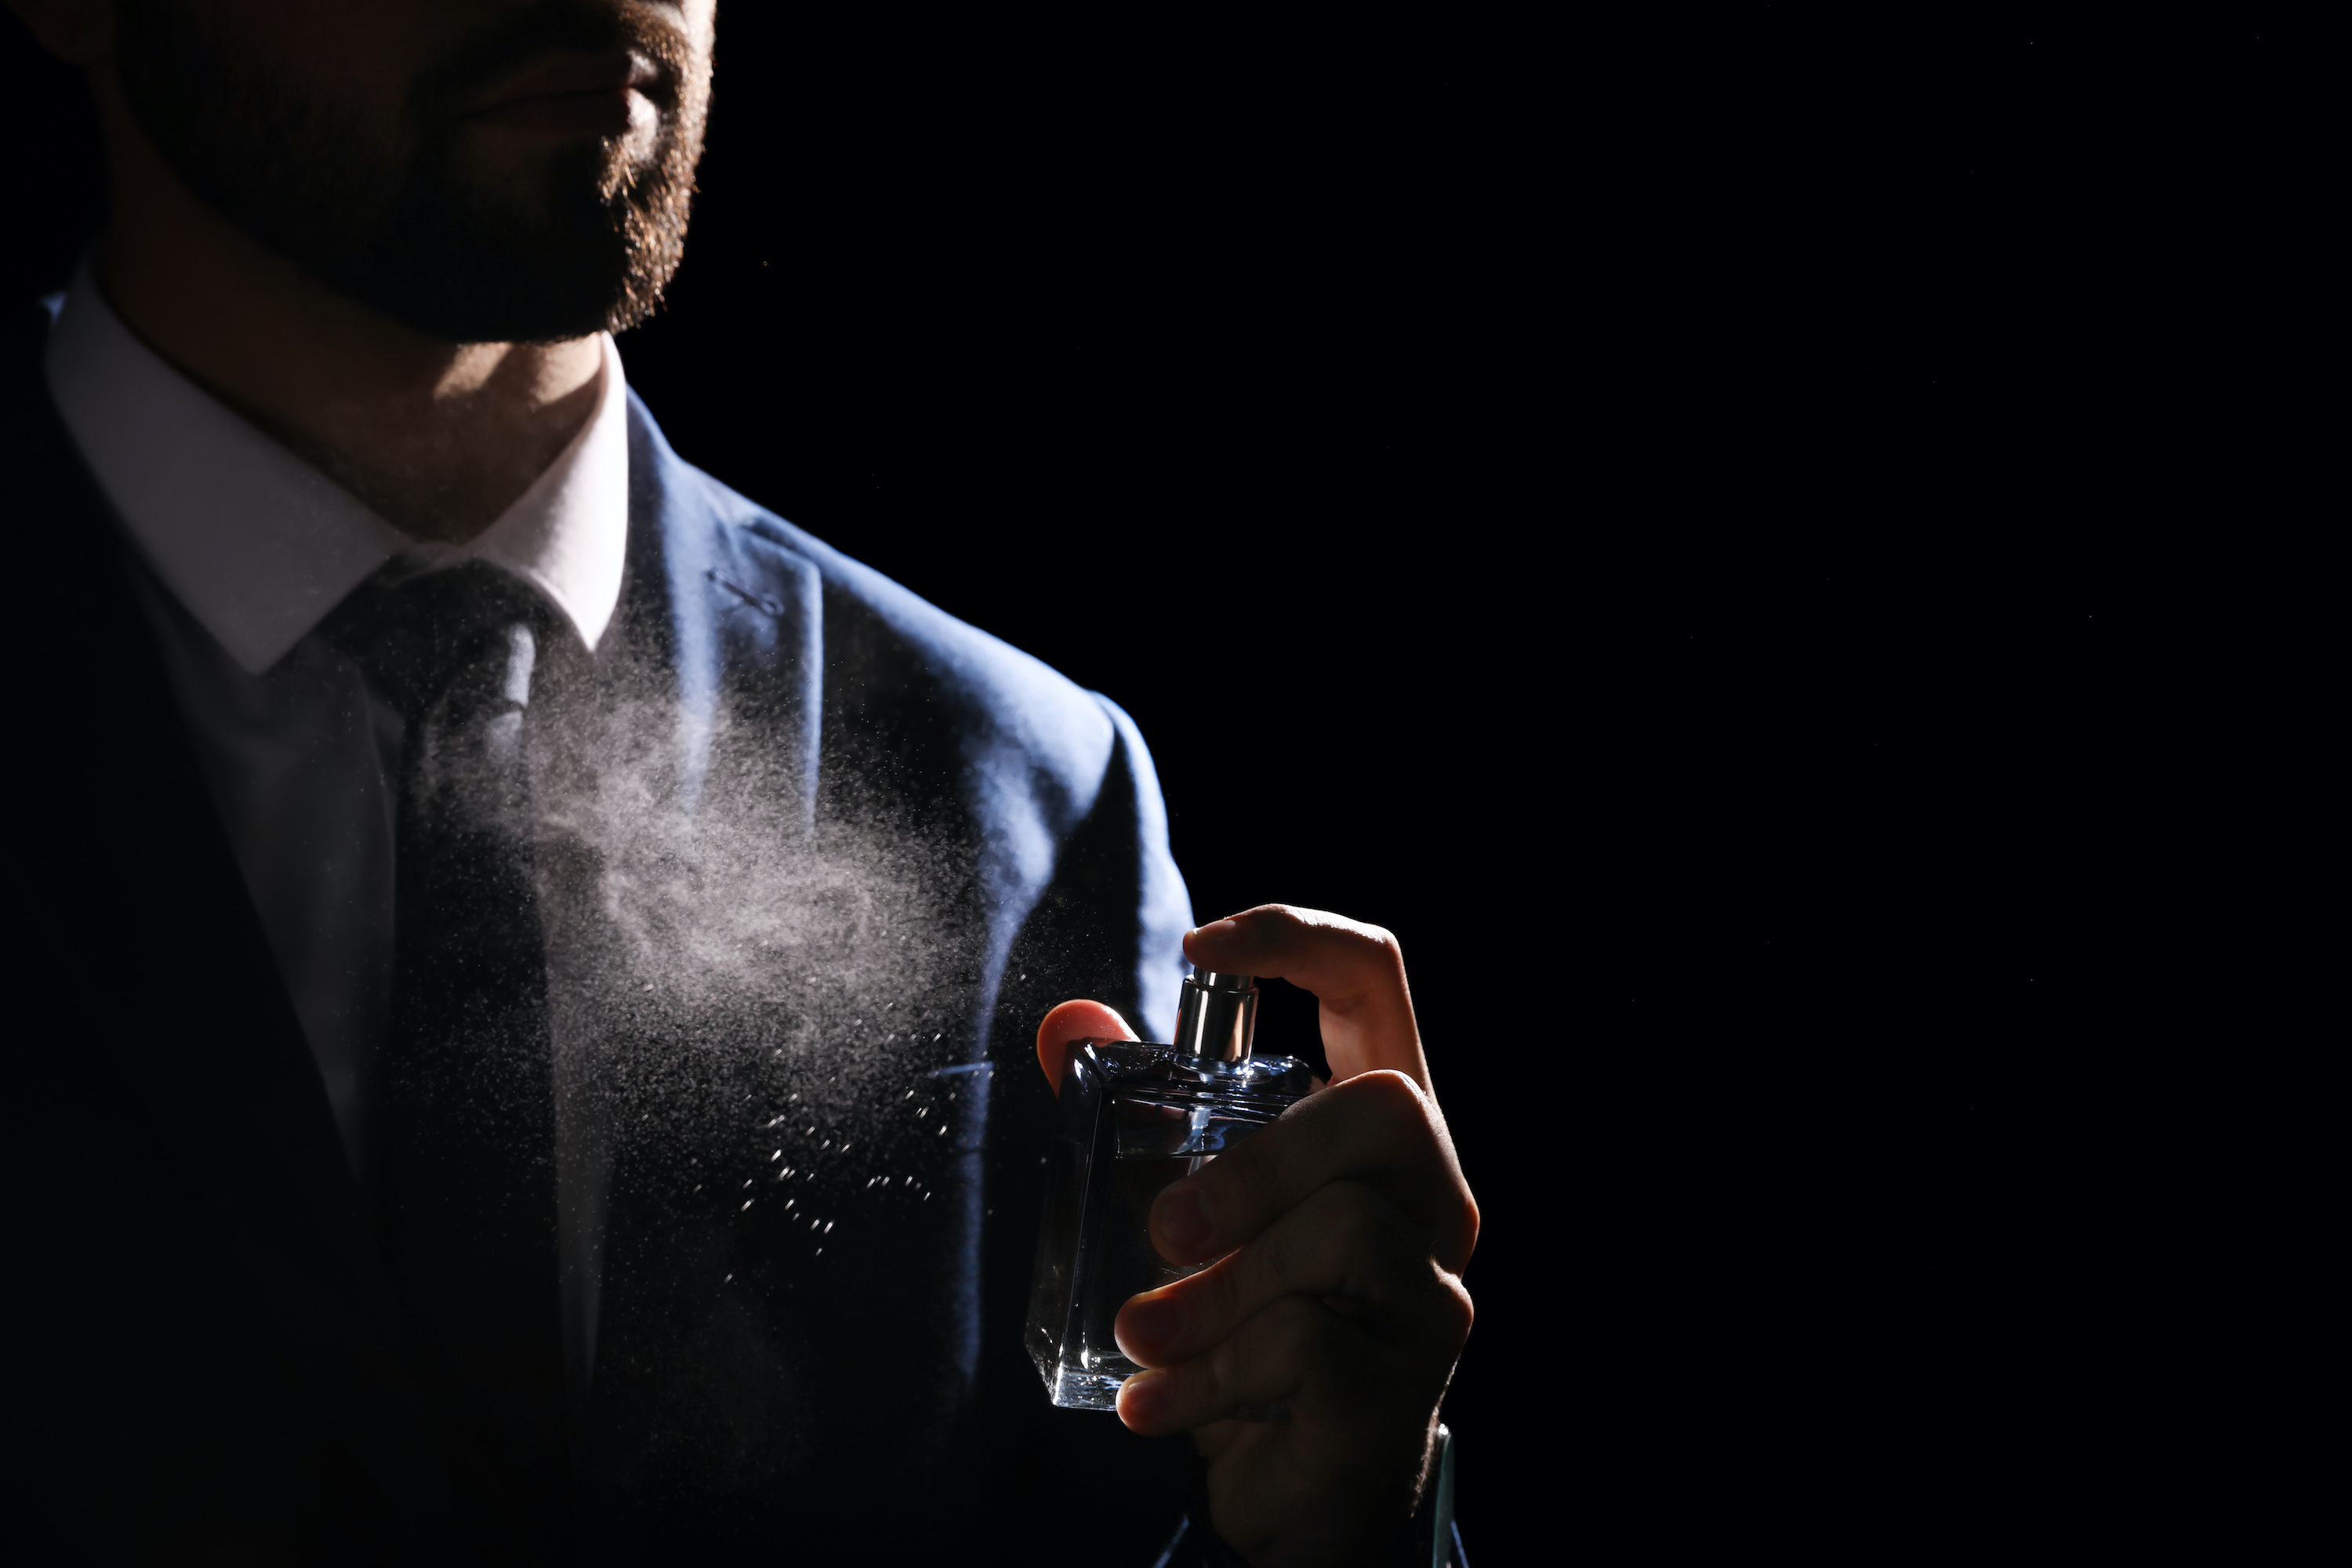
<point x="258" y="545"/>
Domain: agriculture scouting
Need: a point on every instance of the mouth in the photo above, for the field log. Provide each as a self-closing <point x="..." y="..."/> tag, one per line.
<point x="601" y="94"/>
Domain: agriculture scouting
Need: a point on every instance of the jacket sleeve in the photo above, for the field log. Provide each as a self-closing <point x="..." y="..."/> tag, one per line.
<point x="1110" y="924"/>
<point x="1069" y="1486"/>
<point x="1077" y="1487"/>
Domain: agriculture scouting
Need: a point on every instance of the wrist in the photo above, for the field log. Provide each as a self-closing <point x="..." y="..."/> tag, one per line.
<point x="1428" y="1538"/>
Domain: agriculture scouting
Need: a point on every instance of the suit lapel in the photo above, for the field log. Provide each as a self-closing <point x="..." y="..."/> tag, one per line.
<point x="737" y="616"/>
<point x="203" y="1051"/>
<point x="204" y="1040"/>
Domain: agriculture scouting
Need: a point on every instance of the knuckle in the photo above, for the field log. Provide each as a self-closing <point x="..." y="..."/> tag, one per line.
<point x="1329" y="1361"/>
<point x="1284" y="1258"/>
<point x="1281" y="923"/>
<point x="1456" y="1312"/>
<point x="1332" y="927"/>
<point x="1311" y="1348"/>
<point x="1235" y="1182"/>
<point x="1396" y="1099"/>
<point x="1249" y="1183"/>
<point x="1297" y="1329"/>
<point x="1365" y="1222"/>
<point x="1386" y="1254"/>
<point x="1375" y="945"/>
<point x="1266" y="1356"/>
<point x="1355" y="1209"/>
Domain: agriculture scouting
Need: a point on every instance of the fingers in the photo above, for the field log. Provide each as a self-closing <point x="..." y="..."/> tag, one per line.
<point x="1379" y="1129"/>
<point x="1292" y="1346"/>
<point x="1068" y="1023"/>
<point x="1356" y="971"/>
<point x="1346" y="1242"/>
<point x="1321" y="1367"/>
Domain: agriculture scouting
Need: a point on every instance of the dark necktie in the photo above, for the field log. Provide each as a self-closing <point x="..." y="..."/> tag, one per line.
<point x="460" y="1146"/>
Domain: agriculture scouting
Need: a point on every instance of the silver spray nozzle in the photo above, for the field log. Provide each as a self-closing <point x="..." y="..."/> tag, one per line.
<point x="1217" y="1016"/>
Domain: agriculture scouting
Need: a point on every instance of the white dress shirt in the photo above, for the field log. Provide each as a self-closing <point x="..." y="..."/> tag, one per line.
<point x="253" y="548"/>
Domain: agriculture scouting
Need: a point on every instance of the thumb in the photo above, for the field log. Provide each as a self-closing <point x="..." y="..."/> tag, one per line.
<point x="1068" y="1023"/>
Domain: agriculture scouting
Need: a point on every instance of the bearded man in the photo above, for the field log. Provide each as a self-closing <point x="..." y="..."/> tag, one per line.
<point x="532" y="952"/>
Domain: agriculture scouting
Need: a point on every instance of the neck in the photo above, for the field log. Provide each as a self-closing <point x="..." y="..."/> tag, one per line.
<point x="438" y="438"/>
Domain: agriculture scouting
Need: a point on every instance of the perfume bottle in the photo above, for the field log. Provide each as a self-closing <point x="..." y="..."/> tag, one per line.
<point x="1135" y="1117"/>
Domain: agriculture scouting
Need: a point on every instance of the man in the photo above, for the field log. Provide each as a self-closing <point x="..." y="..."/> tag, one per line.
<point x="525" y="940"/>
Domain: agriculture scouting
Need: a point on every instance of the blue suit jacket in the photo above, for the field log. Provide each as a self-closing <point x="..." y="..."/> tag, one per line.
<point x="219" y="1365"/>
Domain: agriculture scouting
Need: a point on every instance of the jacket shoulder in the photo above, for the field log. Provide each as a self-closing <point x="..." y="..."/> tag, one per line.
<point x="1015" y="710"/>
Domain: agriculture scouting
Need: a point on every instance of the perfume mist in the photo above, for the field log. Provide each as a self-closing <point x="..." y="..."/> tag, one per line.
<point x="1135" y="1117"/>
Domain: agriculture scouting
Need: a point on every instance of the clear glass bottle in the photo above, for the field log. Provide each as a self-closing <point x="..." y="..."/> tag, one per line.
<point x="1135" y="1117"/>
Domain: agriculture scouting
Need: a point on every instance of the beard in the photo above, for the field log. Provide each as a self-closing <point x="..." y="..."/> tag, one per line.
<point x="398" y="216"/>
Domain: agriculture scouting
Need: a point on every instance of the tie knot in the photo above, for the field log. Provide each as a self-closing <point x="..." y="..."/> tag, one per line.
<point x="460" y="643"/>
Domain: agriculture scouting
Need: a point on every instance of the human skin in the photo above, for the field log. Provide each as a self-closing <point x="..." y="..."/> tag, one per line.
<point x="1341" y="1232"/>
<point x="438" y="438"/>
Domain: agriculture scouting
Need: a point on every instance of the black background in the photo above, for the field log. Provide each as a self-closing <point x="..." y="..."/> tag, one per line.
<point x="1658" y="518"/>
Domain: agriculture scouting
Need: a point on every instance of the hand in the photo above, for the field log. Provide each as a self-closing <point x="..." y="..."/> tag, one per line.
<point x="1340" y="1232"/>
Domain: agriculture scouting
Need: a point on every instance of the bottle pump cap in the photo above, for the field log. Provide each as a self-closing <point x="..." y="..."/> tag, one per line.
<point x="1217" y="1017"/>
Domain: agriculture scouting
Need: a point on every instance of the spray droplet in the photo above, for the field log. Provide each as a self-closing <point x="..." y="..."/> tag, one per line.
<point x="747" y="1203"/>
<point x="828" y="1228"/>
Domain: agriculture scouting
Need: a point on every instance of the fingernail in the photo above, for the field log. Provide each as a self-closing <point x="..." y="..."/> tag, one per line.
<point x="1183" y="1220"/>
<point x="1219" y="928"/>
<point x="1142" y="1397"/>
<point x="1147" y="1325"/>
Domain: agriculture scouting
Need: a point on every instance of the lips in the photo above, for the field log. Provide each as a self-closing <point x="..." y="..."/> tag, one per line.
<point x="574" y="94"/>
